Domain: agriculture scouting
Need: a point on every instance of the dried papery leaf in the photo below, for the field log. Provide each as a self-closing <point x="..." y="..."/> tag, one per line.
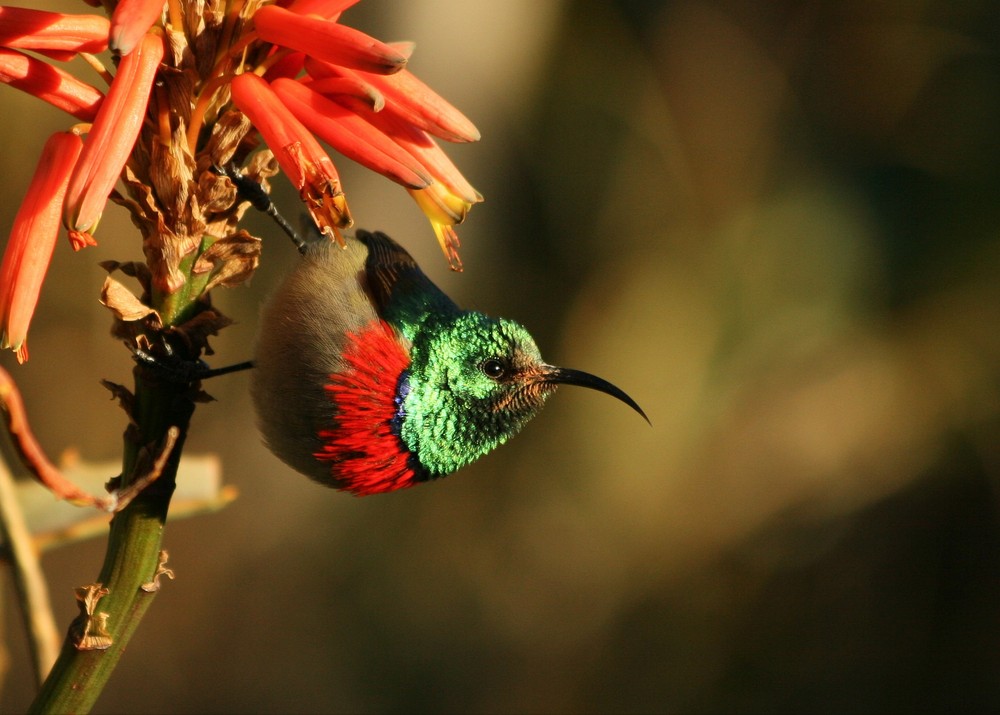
<point x="177" y="44"/>
<point x="164" y="252"/>
<point x="132" y="269"/>
<point x="232" y="260"/>
<point x="171" y="176"/>
<point x="217" y="194"/>
<point x="122" y="302"/>
<point x="196" y="331"/>
<point x="227" y="133"/>
<point x="89" y="629"/>
<point x="262" y="166"/>
<point x="153" y="584"/>
<point x="142" y="206"/>
<point x="163" y="248"/>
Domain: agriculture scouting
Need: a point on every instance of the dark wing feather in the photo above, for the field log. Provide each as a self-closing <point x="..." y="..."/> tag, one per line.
<point x="397" y="286"/>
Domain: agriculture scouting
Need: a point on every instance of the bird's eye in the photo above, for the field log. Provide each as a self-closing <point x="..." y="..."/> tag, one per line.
<point x="494" y="368"/>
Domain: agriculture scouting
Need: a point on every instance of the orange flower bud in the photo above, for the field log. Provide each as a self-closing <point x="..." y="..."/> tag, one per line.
<point x="298" y="153"/>
<point x="351" y="135"/>
<point x="130" y="21"/>
<point x="330" y="9"/>
<point x="113" y="134"/>
<point x="425" y="150"/>
<point x="52" y="32"/>
<point x="412" y="100"/>
<point x="325" y="40"/>
<point x="290" y="65"/>
<point x="52" y="84"/>
<point x="32" y="240"/>
<point x="350" y="87"/>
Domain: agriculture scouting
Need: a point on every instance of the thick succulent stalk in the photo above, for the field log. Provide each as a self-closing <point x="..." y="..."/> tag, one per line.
<point x="133" y="559"/>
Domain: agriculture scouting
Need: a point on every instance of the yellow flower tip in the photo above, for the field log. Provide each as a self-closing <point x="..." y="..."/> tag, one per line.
<point x="440" y="205"/>
<point x="338" y="203"/>
<point x="444" y="210"/>
<point x="19" y="347"/>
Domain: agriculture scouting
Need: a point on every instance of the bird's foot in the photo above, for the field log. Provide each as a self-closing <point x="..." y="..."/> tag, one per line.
<point x="171" y="367"/>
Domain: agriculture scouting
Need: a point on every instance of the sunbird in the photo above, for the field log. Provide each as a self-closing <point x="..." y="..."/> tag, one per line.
<point x="369" y="379"/>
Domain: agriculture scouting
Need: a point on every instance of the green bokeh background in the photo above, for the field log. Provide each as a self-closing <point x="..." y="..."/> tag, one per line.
<point x="776" y="226"/>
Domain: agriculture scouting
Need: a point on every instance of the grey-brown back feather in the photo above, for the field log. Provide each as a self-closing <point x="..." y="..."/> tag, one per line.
<point x="300" y="341"/>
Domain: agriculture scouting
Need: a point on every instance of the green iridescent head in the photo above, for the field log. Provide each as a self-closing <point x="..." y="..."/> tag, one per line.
<point x="474" y="381"/>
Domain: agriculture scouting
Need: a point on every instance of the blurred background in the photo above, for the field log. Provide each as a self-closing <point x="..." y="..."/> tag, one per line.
<point x="776" y="226"/>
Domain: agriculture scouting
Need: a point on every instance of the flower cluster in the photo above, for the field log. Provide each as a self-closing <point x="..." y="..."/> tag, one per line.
<point x="195" y="82"/>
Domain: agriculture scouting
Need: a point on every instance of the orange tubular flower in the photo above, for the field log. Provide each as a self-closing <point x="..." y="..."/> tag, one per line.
<point x="412" y="100"/>
<point x="329" y="9"/>
<point x="297" y="151"/>
<point x="56" y="34"/>
<point x="327" y="41"/>
<point x="111" y="139"/>
<point x="352" y="77"/>
<point x="32" y="240"/>
<point x="421" y="147"/>
<point x="349" y="87"/>
<point x="130" y="21"/>
<point x="52" y="84"/>
<point x="351" y="135"/>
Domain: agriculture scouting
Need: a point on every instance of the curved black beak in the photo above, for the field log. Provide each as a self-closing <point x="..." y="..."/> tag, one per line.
<point x="565" y="376"/>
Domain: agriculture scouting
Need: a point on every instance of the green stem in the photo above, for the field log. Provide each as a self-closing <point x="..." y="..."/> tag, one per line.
<point x="132" y="557"/>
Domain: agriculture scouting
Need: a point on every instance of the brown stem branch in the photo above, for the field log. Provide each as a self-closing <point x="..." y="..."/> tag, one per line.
<point x="29" y="582"/>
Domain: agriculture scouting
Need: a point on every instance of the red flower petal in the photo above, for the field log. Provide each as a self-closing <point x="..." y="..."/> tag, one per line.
<point x="350" y="135"/>
<point x="414" y="101"/>
<point x="325" y="40"/>
<point x="52" y="84"/>
<point x="349" y="87"/>
<point x="130" y="21"/>
<point x="407" y="98"/>
<point x="329" y="9"/>
<point x="421" y="147"/>
<point x="298" y="153"/>
<point x="25" y="29"/>
<point x="114" y="132"/>
<point x="290" y="65"/>
<point x="32" y="240"/>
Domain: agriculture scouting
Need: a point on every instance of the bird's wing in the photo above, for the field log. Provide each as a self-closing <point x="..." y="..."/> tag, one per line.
<point x="396" y="284"/>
